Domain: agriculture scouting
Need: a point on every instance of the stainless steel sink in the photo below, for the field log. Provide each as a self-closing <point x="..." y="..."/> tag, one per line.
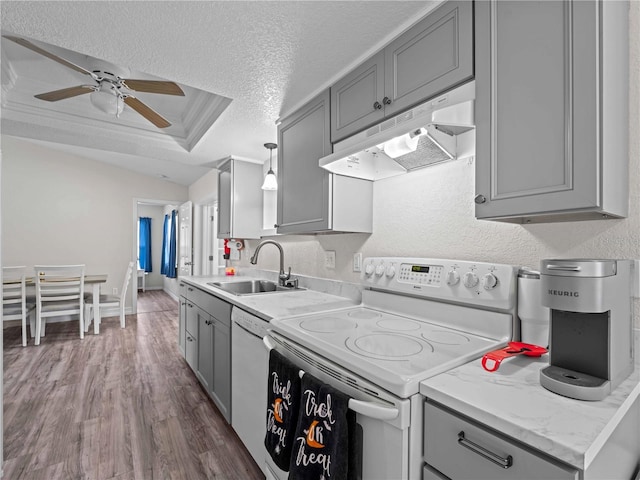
<point x="252" y="287"/>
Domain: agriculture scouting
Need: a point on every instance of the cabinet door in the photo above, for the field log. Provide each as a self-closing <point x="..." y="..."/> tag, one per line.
<point x="205" y="349"/>
<point x="356" y="100"/>
<point x="303" y="192"/>
<point x="221" y="391"/>
<point x="536" y="107"/>
<point x="433" y="56"/>
<point x="191" y="351"/>
<point x="224" y="200"/>
<point x="183" y="324"/>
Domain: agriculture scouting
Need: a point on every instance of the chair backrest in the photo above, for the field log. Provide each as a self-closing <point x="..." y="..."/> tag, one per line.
<point x="59" y="283"/>
<point x="125" y="284"/>
<point x="13" y="292"/>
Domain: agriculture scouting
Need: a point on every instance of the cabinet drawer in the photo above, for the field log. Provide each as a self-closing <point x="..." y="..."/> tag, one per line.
<point x="211" y="304"/>
<point x="182" y="288"/>
<point x="465" y="450"/>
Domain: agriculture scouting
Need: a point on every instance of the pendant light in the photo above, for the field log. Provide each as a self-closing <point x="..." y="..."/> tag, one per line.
<point x="270" y="181"/>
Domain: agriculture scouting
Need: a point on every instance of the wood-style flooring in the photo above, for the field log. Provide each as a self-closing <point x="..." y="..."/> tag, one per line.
<point x="120" y="405"/>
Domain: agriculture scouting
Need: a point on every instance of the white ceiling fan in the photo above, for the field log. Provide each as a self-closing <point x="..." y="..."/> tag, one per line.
<point x="111" y="91"/>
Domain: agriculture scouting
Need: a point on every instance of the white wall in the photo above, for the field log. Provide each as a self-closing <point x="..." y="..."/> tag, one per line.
<point x="430" y="213"/>
<point x="60" y="208"/>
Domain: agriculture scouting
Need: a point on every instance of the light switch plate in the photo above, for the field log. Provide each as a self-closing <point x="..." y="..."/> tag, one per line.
<point x="357" y="262"/>
<point x="330" y="259"/>
<point x="635" y="274"/>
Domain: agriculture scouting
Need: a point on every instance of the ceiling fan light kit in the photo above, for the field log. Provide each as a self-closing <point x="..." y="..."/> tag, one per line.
<point x="111" y="91"/>
<point x="107" y="99"/>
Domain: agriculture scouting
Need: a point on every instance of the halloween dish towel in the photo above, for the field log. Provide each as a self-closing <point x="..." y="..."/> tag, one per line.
<point x="321" y="440"/>
<point x="283" y="405"/>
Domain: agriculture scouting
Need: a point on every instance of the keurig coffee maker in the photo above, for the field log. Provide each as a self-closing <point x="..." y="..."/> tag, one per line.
<point x="591" y="336"/>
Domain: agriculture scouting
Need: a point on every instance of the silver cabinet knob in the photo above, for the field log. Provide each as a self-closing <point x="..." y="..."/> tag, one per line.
<point x="480" y="199"/>
<point x="386" y="101"/>
<point x="377" y="105"/>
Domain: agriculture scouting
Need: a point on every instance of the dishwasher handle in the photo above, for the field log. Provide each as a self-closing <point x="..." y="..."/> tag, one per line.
<point x="367" y="409"/>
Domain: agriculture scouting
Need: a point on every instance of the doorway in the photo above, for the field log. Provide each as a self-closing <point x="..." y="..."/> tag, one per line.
<point x="154" y="209"/>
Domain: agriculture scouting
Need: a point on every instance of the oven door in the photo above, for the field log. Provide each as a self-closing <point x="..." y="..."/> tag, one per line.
<point x="382" y="420"/>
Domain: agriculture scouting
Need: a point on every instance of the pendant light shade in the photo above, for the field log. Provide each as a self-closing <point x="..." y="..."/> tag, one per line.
<point x="270" y="180"/>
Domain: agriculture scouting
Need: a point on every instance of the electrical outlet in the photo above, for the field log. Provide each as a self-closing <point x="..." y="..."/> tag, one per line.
<point x="330" y="259"/>
<point x="357" y="262"/>
<point x="115" y="290"/>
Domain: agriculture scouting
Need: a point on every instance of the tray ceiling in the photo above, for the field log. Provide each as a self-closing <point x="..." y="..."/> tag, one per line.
<point x="241" y="65"/>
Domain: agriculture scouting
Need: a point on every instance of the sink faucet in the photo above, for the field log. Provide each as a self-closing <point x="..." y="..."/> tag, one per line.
<point x="282" y="275"/>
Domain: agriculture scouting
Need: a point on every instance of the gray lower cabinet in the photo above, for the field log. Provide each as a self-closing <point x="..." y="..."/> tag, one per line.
<point x="310" y="199"/>
<point x="551" y="110"/>
<point x="430" y="58"/>
<point x="207" y="334"/>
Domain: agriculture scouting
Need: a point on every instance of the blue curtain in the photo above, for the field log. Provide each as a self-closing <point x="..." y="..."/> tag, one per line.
<point x="144" y="240"/>
<point x="168" y="264"/>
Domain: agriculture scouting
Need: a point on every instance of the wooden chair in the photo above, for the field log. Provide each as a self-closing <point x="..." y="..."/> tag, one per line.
<point x="59" y="292"/>
<point x="14" y="298"/>
<point x="110" y="300"/>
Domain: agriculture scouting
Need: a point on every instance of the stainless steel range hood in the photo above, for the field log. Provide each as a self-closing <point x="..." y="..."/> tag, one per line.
<point x="436" y="131"/>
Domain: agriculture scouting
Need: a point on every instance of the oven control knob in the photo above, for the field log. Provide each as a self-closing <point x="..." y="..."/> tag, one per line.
<point x="391" y="271"/>
<point x="489" y="281"/>
<point x="470" y="280"/>
<point x="453" y="277"/>
<point x="380" y="270"/>
<point x="368" y="270"/>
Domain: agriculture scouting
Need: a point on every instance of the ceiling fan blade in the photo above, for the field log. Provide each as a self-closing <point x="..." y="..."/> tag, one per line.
<point x="147" y="112"/>
<point x="154" y="86"/>
<point x="65" y="93"/>
<point x="41" y="51"/>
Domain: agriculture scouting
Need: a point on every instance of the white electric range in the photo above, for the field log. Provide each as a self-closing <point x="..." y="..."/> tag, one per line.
<point x="419" y="317"/>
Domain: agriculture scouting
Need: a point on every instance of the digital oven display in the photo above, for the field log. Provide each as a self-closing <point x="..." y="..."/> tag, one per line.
<point x="419" y="269"/>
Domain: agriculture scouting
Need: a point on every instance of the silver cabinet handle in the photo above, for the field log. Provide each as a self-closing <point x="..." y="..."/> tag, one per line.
<point x="480" y="199"/>
<point x="386" y="101"/>
<point x="483" y="452"/>
<point x="377" y="105"/>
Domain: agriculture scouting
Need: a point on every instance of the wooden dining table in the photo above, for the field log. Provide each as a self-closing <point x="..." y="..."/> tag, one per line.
<point x="94" y="281"/>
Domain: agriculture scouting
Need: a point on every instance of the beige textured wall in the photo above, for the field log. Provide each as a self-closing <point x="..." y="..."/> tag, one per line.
<point x="58" y="208"/>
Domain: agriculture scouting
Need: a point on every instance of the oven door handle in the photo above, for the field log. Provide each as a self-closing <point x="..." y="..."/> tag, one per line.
<point x="373" y="410"/>
<point x="267" y="343"/>
<point x="368" y="409"/>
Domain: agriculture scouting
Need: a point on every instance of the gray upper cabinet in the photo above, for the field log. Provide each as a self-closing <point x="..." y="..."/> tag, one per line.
<point x="551" y="110"/>
<point x="310" y="199"/>
<point x="239" y="199"/>
<point x="433" y="56"/>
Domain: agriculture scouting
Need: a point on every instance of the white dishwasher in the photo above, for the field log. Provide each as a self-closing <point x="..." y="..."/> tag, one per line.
<point x="249" y="368"/>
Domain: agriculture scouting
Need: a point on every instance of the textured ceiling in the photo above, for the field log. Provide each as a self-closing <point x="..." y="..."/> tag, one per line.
<point x="268" y="57"/>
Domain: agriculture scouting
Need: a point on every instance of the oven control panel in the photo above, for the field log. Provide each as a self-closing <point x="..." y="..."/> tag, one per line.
<point x="477" y="283"/>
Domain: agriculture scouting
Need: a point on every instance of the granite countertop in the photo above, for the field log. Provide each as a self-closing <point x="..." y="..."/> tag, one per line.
<point x="512" y="401"/>
<point x="319" y="295"/>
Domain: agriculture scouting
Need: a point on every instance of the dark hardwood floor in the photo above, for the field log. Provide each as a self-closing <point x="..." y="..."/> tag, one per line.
<point x="120" y="405"/>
